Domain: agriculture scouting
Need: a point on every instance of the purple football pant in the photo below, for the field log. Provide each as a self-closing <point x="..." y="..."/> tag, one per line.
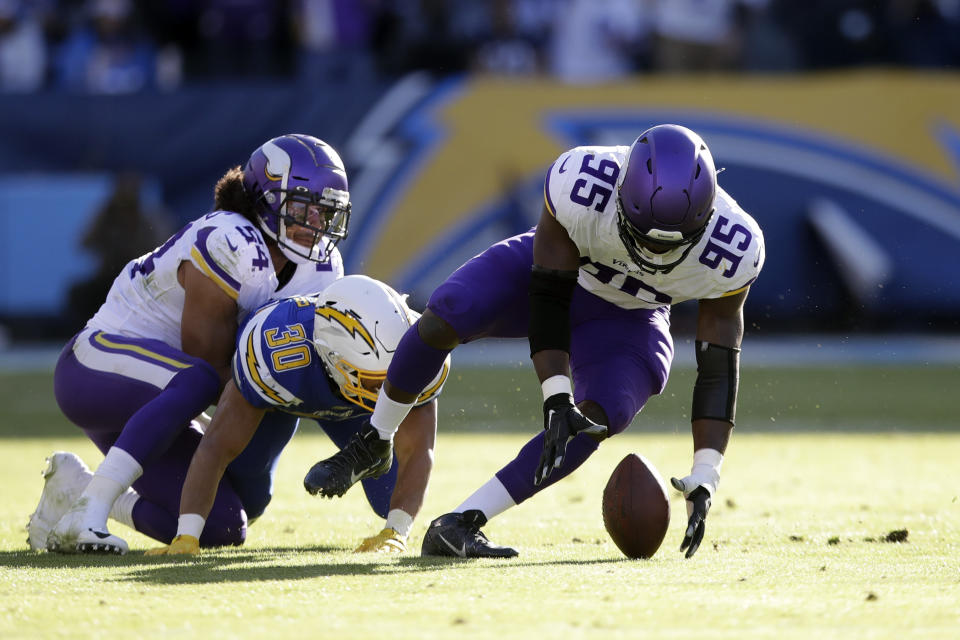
<point x="618" y="357"/>
<point x="141" y="395"/>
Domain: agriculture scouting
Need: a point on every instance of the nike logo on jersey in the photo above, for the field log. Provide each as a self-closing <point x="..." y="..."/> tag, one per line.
<point x="230" y="244"/>
<point x="461" y="552"/>
<point x="562" y="165"/>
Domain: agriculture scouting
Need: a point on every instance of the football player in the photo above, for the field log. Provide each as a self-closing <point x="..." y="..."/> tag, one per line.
<point x="625" y="233"/>
<point x="157" y="353"/>
<point x="323" y="357"/>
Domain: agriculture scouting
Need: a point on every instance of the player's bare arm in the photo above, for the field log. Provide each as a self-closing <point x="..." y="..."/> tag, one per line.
<point x="230" y="430"/>
<point x="553" y="250"/>
<point x="414" y="448"/>
<point x="556" y="260"/>
<point x="413" y="445"/>
<point x="209" y="321"/>
<point x="719" y="323"/>
<point x="719" y="331"/>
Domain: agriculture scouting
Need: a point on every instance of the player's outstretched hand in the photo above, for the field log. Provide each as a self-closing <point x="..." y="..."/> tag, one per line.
<point x="562" y="421"/>
<point x="181" y="545"/>
<point x="387" y="541"/>
<point x="698" y="504"/>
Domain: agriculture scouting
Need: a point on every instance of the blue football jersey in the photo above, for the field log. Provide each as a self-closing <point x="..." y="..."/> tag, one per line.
<point x="276" y="365"/>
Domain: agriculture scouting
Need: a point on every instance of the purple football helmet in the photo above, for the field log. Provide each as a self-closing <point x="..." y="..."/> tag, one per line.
<point x="303" y="202"/>
<point x="665" y="196"/>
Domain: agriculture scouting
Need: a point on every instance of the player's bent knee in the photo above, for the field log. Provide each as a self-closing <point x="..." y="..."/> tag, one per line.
<point x="594" y="411"/>
<point x="437" y="332"/>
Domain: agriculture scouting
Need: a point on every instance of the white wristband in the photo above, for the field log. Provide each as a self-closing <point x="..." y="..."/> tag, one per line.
<point x="388" y="414"/>
<point x="556" y="384"/>
<point x="706" y="468"/>
<point x="710" y="457"/>
<point x="400" y="521"/>
<point x="190" y="524"/>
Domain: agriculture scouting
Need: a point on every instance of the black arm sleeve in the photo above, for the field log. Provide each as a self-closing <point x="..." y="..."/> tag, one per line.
<point x="718" y="378"/>
<point x="550" y="293"/>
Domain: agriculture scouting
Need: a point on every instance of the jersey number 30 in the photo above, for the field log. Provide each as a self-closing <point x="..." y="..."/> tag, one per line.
<point x="288" y="350"/>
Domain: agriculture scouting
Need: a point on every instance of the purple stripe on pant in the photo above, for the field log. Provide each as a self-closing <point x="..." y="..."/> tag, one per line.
<point x="618" y="357"/>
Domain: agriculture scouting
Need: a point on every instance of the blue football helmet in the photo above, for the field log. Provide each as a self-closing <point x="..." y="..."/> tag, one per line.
<point x="300" y="187"/>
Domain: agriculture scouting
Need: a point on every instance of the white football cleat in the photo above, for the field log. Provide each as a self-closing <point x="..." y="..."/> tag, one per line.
<point x="91" y="541"/>
<point x="65" y="478"/>
<point x="70" y="535"/>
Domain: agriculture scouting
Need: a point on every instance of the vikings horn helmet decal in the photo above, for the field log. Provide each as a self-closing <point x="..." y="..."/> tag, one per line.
<point x="303" y="202"/>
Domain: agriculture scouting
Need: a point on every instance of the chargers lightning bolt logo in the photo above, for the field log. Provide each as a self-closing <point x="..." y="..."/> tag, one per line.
<point x="348" y="321"/>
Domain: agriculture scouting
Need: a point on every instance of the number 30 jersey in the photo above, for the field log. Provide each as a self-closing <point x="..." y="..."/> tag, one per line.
<point x="146" y="299"/>
<point x="276" y="365"/>
<point x="580" y="192"/>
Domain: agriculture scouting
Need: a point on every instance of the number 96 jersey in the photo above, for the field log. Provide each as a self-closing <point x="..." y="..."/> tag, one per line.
<point x="580" y="192"/>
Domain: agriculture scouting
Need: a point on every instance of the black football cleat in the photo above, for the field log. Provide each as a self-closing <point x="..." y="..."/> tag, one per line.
<point x="366" y="455"/>
<point x="458" y="535"/>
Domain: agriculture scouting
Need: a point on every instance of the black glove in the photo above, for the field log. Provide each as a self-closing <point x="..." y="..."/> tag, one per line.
<point x="562" y="421"/>
<point x="698" y="504"/>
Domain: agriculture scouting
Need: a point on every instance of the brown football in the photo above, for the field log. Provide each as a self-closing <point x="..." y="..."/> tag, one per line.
<point x="636" y="510"/>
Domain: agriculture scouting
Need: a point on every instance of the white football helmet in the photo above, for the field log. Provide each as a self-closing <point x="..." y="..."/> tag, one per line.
<point x="358" y="326"/>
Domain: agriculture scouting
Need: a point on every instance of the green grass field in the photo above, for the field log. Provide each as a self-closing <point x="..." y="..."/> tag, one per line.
<point x="824" y="465"/>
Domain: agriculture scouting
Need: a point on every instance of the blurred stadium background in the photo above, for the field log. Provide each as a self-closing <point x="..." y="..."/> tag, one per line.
<point x="838" y="123"/>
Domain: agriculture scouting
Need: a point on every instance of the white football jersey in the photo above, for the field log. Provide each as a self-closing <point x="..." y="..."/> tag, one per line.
<point x="146" y="300"/>
<point x="312" y="277"/>
<point x="580" y="192"/>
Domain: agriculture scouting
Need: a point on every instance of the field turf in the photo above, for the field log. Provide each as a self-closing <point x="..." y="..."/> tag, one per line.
<point x="826" y="466"/>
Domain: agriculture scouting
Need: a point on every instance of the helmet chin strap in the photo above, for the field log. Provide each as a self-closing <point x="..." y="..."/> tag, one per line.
<point x="298" y="258"/>
<point x="294" y="252"/>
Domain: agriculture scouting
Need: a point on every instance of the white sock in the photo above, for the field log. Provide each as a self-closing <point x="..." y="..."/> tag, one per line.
<point x="122" y="509"/>
<point x="492" y="498"/>
<point x="387" y="415"/>
<point x="114" y="476"/>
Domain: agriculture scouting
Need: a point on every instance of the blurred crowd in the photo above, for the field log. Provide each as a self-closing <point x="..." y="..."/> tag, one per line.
<point x="123" y="46"/>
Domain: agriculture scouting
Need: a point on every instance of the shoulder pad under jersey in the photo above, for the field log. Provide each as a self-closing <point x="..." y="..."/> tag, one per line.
<point x="231" y="252"/>
<point x="733" y="247"/>
<point x="582" y="178"/>
<point x="253" y="370"/>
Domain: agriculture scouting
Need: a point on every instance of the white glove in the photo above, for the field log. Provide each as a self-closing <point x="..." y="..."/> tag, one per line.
<point x="698" y="488"/>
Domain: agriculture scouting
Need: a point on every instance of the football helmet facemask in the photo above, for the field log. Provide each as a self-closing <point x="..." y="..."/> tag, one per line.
<point x="358" y="326"/>
<point x="665" y="196"/>
<point x="302" y="199"/>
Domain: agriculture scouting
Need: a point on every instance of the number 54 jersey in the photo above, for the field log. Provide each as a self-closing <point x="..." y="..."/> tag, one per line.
<point x="580" y="192"/>
<point x="146" y="299"/>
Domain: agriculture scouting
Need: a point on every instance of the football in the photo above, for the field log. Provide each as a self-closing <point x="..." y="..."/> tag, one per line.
<point x="636" y="510"/>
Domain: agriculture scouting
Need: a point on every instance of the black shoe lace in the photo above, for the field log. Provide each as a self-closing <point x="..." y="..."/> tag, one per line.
<point x="346" y="459"/>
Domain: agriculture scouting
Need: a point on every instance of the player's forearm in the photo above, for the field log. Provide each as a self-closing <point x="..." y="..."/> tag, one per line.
<point x="209" y="348"/>
<point x="413" y="476"/>
<point x="711" y="434"/>
<point x="203" y="478"/>
<point x="551" y="362"/>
